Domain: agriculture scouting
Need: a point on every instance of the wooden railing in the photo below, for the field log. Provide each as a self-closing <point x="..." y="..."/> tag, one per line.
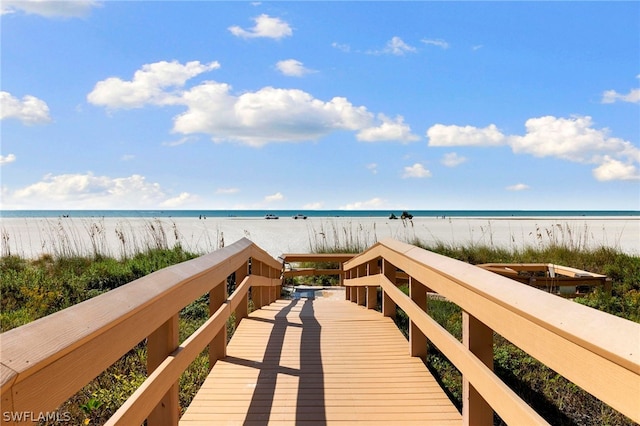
<point x="596" y="351"/>
<point x="45" y="362"/>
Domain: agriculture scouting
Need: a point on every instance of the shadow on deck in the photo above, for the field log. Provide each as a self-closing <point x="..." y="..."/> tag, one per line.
<point x="319" y="361"/>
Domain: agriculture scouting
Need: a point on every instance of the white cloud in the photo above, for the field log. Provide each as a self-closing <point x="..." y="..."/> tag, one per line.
<point x="452" y="159"/>
<point x="313" y="206"/>
<point x="50" y="9"/>
<point x="226" y="191"/>
<point x="180" y="200"/>
<point x="29" y="110"/>
<point x="127" y="157"/>
<point x="436" y="42"/>
<point x="612" y="169"/>
<point x="389" y="130"/>
<point x="268" y="115"/>
<point x="517" y="187"/>
<point x="7" y="159"/>
<point x="274" y="197"/>
<point x="442" y="135"/>
<point x="266" y="26"/>
<point x="252" y="118"/>
<point x="148" y="85"/>
<point x="416" y="171"/>
<point x="87" y="191"/>
<point x="293" y="68"/>
<point x="341" y="46"/>
<point x="363" y="205"/>
<point x="373" y="168"/>
<point x="572" y="139"/>
<point x="611" y="96"/>
<point x="396" y="46"/>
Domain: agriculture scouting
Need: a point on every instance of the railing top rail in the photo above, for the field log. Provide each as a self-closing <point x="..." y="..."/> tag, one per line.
<point x="620" y="341"/>
<point x="153" y="298"/>
<point x="317" y="257"/>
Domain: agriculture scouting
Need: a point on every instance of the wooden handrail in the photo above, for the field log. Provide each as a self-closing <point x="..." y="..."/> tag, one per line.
<point x="564" y="335"/>
<point x="45" y="362"/>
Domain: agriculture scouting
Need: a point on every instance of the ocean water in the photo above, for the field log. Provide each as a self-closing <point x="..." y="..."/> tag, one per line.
<point x="316" y="213"/>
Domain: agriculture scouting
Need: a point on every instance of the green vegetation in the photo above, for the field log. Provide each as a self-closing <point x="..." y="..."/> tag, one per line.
<point x="31" y="289"/>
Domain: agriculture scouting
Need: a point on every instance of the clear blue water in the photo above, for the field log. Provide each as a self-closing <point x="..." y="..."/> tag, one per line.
<point x="313" y="213"/>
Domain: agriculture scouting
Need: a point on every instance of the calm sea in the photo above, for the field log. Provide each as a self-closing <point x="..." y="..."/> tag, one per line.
<point x="314" y="213"/>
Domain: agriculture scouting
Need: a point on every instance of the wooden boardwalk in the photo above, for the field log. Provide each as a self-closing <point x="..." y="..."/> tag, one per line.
<point x="318" y="362"/>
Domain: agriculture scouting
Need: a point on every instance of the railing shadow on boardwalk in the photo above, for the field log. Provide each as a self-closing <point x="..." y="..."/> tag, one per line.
<point x="310" y="402"/>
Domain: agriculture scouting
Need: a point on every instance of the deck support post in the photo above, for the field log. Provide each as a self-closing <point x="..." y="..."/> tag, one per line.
<point x="373" y="268"/>
<point x="417" y="339"/>
<point x="218" y="346"/>
<point x="478" y="338"/>
<point x="362" y="294"/>
<point x="160" y="344"/>
<point x="389" y="307"/>
<point x="243" y="307"/>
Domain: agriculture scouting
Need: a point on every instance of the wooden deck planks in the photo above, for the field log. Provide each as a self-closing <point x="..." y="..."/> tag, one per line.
<point x="318" y="362"/>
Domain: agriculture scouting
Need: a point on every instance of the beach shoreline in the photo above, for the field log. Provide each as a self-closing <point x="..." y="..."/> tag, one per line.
<point x="32" y="237"/>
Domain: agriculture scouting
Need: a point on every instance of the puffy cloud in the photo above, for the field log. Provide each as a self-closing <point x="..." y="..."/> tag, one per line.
<point x="89" y="191"/>
<point x="442" y="135"/>
<point x="572" y="139"/>
<point x="274" y="197"/>
<point x="29" y="110"/>
<point x="50" y="9"/>
<point x="611" y="96"/>
<point x="396" y="46"/>
<point x="373" y="168"/>
<point x="7" y="159"/>
<point x="416" y="171"/>
<point x="180" y="200"/>
<point x="363" y="205"/>
<point x="612" y="169"/>
<point x="292" y="68"/>
<point x="148" y="85"/>
<point x="517" y="187"/>
<point x="452" y="159"/>
<point x="266" y="26"/>
<point x="389" y="130"/>
<point x="268" y="115"/>
<point x="437" y="42"/>
<point x="252" y="118"/>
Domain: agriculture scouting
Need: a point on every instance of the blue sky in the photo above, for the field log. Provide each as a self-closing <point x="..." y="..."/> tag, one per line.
<point x="320" y="105"/>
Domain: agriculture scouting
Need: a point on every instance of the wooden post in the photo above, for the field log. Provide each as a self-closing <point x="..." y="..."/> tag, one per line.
<point x="372" y="297"/>
<point x="478" y="338"/>
<point x="362" y="294"/>
<point x="160" y="344"/>
<point x="373" y="268"/>
<point x="241" y="310"/>
<point x="218" y="346"/>
<point x="388" y="305"/>
<point x="256" y="296"/>
<point x="417" y="339"/>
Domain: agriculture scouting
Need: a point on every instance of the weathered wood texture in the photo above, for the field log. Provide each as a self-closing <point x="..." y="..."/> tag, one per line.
<point x="322" y="360"/>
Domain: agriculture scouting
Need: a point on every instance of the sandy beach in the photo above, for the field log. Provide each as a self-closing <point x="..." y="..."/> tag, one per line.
<point x="119" y="236"/>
